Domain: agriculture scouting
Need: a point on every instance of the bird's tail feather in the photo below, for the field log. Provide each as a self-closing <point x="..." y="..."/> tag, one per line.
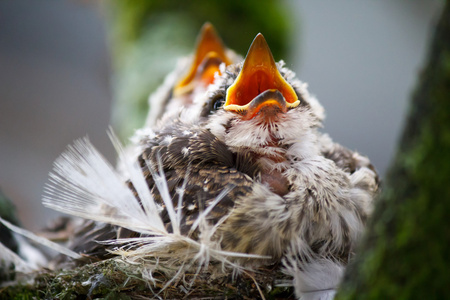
<point x="29" y="258"/>
<point x="314" y="279"/>
<point x="9" y="258"/>
<point x="40" y="240"/>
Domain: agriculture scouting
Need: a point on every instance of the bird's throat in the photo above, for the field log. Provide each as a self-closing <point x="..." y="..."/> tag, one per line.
<point x="273" y="177"/>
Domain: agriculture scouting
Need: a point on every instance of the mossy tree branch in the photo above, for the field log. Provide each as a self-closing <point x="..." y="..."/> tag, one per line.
<point x="405" y="254"/>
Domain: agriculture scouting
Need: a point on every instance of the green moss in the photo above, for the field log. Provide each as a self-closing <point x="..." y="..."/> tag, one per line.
<point x="113" y="279"/>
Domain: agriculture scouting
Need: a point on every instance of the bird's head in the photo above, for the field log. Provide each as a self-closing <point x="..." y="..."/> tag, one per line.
<point x="191" y="78"/>
<point x="258" y="105"/>
<point x="260" y="91"/>
<point x="210" y="53"/>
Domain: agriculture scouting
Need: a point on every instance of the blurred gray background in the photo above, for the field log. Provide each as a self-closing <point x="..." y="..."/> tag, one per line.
<point x="360" y="58"/>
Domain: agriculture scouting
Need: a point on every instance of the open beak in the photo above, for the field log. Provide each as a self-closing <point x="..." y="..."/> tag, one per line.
<point x="259" y="86"/>
<point x="209" y="54"/>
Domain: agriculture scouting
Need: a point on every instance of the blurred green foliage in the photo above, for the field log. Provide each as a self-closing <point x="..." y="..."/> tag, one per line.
<point x="148" y="36"/>
<point x="8" y="213"/>
<point x="7" y="209"/>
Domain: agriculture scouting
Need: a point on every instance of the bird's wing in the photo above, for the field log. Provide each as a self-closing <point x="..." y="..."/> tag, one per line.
<point x="344" y="158"/>
<point x="197" y="166"/>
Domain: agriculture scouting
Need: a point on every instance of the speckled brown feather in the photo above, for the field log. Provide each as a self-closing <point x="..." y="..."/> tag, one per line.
<point x="197" y="160"/>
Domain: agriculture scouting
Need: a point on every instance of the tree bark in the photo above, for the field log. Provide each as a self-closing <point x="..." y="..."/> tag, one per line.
<point x="406" y="251"/>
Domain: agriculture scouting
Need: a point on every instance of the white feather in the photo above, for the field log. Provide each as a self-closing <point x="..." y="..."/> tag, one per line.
<point x="8" y="257"/>
<point x="316" y="280"/>
<point x="40" y="240"/>
<point x="84" y="184"/>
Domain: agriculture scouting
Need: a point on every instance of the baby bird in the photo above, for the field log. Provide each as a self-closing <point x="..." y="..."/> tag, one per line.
<point x="295" y="195"/>
<point x="258" y="133"/>
<point x="249" y="161"/>
<point x="191" y="76"/>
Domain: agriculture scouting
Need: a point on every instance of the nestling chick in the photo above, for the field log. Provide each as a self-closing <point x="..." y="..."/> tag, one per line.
<point x="264" y="142"/>
<point x="191" y="76"/>
<point x="295" y="192"/>
<point x="249" y="160"/>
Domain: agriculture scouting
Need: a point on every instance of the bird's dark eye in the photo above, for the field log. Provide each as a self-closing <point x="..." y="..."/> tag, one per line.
<point x="217" y="103"/>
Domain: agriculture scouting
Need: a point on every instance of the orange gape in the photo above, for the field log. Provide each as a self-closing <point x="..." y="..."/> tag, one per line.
<point x="258" y="75"/>
<point x="210" y="53"/>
